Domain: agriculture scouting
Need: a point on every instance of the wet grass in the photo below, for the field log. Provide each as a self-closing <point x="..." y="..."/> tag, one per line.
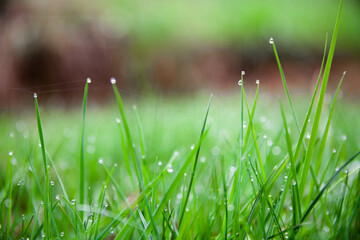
<point x="261" y="168"/>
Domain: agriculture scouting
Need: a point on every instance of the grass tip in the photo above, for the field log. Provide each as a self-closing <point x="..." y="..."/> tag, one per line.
<point x="257" y="81"/>
<point x="243" y="73"/>
<point x="35" y="95"/>
<point x="113" y="80"/>
<point x="88" y="80"/>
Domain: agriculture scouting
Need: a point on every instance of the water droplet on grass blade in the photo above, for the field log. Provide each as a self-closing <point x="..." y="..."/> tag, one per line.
<point x="243" y="73"/>
<point x="336" y="169"/>
<point x="117" y="120"/>
<point x="73" y="202"/>
<point x="343" y="137"/>
<point x="35" y="95"/>
<point x="159" y="163"/>
<point x="240" y="82"/>
<point x="202" y="159"/>
<point x="170" y="170"/>
<point x="258" y="82"/>
<point x="231" y="207"/>
<point x="57" y="197"/>
<point x="113" y="80"/>
<point x="52" y="183"/>
<point x="271" y="40"/>
<point x="192" y="147"/>
<point x="100" y="161"/>
<point x="88" y="80"/>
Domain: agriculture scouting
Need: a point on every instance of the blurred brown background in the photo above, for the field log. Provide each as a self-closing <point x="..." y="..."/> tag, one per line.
<point x="168" y="47"/>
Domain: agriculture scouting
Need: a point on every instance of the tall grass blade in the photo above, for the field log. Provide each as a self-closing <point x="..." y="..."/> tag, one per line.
<point x="82" y="150"/>
<point x="316" y="122"/>
<point x="195" y="164"/>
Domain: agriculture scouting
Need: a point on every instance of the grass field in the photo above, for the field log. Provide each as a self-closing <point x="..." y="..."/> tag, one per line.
<point x="245" y="165"/>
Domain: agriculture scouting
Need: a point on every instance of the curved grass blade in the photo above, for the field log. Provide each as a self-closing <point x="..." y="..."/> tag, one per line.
<point x="82" y="150"/>
<point x="195" y="164"/>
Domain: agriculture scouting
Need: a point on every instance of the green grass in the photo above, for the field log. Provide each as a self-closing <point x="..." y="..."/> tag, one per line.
<point x="259" y="170"/>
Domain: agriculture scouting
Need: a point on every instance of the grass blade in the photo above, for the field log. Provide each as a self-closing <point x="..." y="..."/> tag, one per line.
<point x="82" y="150"/>
<point x="195" y="164"/>
<point x="316" y="122"/>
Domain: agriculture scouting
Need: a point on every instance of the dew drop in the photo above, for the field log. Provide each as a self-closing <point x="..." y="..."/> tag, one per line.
<point x="88" y="80"/>
<point x="117" y="120"/>
<point x="170" y="170"/>
<point x="271" y="40"/>
<point x="73" y="202"/>
<point x="343" y="137"/>
<point x="244" y="125"/>
<point x="52" y="183"/>
<point x="12" y="135"/>
<point x="243" y="73"/>
<point x="334" y="150"/>
<point x="23" y="217"/>
<point x="294" y="183"/>
<point x="160" y="163"/>
<point x="62" y="234"/>
<point x="35" y="95"/>
<point x="115" y="165"/>
<point x="185" y="174"/>
<point x="336" y="169"/>
<point x="308" y="135"/>
<point x="344" y="72"/>
<point x="258" y="82"/>
<point x="232" y="169"/>
<point x="231" y="207"/>
<point x="113" y="80"/>
<point x="8" y="203"/>
<point x="276" y="150"/>
<point x="57" y="197"/>
<point x="106" y="205"/>
<point x="192" y="147"/>
<point x="346" y="171"/>
<point x="10" y="153"/>
<point x="202" y="159"/>
<point x="41" y="203"/>
<point x="101" y="161"/>
<point x="240" y="82"/>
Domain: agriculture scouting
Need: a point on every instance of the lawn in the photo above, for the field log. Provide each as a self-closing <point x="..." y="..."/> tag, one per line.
<point x="242" y="164"/>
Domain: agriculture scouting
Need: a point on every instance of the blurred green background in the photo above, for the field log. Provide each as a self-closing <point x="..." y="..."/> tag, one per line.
<point x="167" y="47"/>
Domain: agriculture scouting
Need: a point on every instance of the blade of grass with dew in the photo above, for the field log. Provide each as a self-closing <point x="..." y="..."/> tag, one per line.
<point x="317" y="198"/>
<point x="82" y="150"/>
<point x="128" y="134"/>
<point x="284" y="83"/>
<point x="195" y="164"/>
<point x="316" y="122"/>
<point x="52" y="218"/>
<point x="8" y="193"/>
<point x="43" y="152"/>
<point x="296" y="214"/>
